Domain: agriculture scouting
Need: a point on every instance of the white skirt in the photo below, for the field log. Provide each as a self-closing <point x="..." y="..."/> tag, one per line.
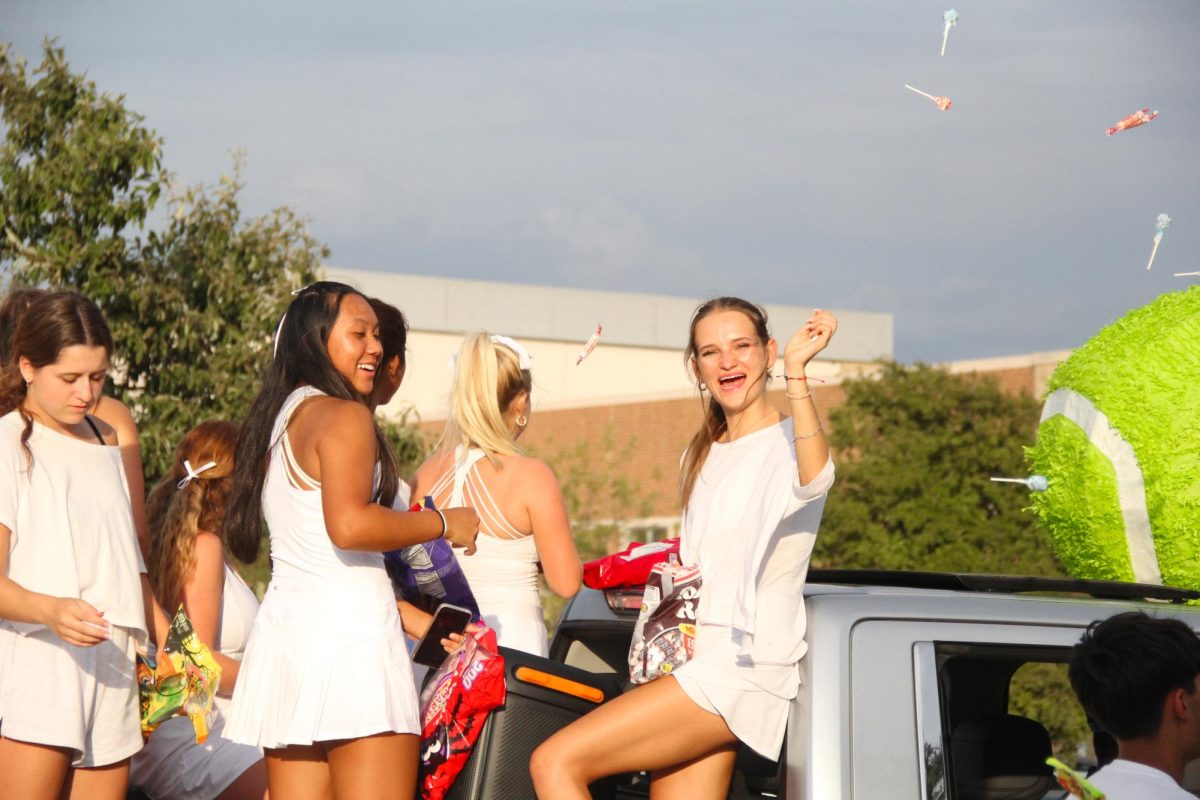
<point x="326" y="659"/>
<point x="752" y="699"/>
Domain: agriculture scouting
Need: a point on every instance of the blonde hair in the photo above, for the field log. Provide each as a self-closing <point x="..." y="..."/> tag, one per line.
<point x="175" y="515"/>
<point x="487" y="379"/>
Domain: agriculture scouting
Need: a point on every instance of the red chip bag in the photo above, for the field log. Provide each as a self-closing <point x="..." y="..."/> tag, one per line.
<point x="454" y="705"/>
<point x="630" y="567"/>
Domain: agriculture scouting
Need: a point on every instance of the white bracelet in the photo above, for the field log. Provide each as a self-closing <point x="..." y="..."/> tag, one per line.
<point x="442" y="517"/>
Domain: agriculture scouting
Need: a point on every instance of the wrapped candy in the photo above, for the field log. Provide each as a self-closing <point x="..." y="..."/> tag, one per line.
<point x="664" y="636"/>
<point x="1133" y="120"/>
<point x="1160" y="227"/>
<point x="1074" y="782"/>
<point x="1035" y="483"/>
<point x="943" y="103"/>
<point x="590" y="345"/>
<point x="950" y="18"/>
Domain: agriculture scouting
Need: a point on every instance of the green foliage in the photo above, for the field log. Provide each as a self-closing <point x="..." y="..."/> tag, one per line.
<point x="600" y="499"/>
<point x="411" y="444"/>
<point x="915" y="448"/>
<point x="1043" y="692"/>
<point x="191" y="306"/>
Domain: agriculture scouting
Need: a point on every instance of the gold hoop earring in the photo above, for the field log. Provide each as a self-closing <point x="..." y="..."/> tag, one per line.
<point x="521" y="420"/>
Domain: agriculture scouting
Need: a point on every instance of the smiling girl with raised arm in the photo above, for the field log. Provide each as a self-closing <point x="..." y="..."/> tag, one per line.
<point x="753" y="485"/>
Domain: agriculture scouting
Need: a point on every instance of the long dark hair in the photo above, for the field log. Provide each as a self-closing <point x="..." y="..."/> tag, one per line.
<point x="301" y="357"/>
<point x="15" y="304"/>
<point x="714" y="424"/>
<point x="53" y="321"/>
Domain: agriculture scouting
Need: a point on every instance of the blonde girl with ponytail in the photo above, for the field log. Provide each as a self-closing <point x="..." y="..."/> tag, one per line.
<point x="479" y="464"/>
<point x="189" y="565"/>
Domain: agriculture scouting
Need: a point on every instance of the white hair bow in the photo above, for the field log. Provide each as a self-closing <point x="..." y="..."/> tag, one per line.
<point x="193" y="473"/>
<point x="524" y="360"/>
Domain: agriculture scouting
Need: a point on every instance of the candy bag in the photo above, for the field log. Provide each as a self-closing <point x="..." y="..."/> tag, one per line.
<point x="430" y="570"/>
<point x="189" y="691"/>
<point x="454" y="705"/>
<point x="630" y="567"/>
<point x="664" y="636"/>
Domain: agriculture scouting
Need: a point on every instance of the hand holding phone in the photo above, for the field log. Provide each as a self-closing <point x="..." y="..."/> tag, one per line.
<point x="447" y="619"/>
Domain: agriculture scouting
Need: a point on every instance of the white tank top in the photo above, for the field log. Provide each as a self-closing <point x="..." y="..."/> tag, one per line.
<point x="238" y="607"/>
<point x="291" y="502"/>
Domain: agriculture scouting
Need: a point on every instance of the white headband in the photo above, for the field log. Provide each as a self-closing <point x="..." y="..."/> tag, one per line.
<point x="193" y="473"/>
<point x="524" y="360"/>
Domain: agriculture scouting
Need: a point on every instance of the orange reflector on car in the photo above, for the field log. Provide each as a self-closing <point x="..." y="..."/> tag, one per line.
<point x="564" y="685"/>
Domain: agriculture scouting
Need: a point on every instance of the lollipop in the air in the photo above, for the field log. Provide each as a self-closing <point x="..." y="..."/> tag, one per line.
<point x="1133" y="120"/>
<point x="1160" y="227"/>
<point x="951" y="19"/>
<point x="943" y="103"/>
<point x="590" y="346"/>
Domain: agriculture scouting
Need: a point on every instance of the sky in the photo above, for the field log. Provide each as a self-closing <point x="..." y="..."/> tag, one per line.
<point x="695" y="148"/>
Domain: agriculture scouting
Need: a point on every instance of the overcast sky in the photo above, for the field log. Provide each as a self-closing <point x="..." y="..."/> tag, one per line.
<point x="766" y="149"/>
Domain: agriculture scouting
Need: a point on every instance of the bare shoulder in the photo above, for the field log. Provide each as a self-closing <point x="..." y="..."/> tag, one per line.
<point x="432" y="468"/>
<point x="331" y="414"/>
<point x="115" y="421"/>
<point x="208" y="545"/>
<point x="531" y="471"/>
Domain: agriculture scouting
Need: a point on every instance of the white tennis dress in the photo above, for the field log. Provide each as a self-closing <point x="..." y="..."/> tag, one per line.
<point x="503" y="569"/>
<point x="750" y="527"/>
<point x="326" y="658"/>
<point x="172" y="766"/>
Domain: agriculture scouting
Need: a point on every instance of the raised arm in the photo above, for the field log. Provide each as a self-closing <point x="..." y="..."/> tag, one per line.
<point x="344" y="445"/>
<point x="551" y="529"/>
<point x="812" y="449"/>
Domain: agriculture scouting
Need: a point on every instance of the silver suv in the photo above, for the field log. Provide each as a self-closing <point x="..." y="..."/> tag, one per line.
<point x="905" y="690"/>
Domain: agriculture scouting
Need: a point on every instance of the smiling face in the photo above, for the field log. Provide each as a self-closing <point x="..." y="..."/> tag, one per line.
<point x="731" y="359"/>
<point x="60" y="394"/>
<point x="353" y="344"/>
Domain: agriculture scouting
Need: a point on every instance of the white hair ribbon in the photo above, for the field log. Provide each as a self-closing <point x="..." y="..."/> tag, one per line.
<point x="278" y="330"/>
<point x="524" y="360"/>
<point x="193" y="473"/>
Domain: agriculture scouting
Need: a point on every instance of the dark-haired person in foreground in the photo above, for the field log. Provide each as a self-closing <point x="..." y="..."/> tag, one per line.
<point x="1136" y="676"/>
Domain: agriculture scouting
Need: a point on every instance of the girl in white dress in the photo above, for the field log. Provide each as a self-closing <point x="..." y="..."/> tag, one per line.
<point x="325" y="685"/>
<point x="753" y="484"/>
<point x="72" y="608"/>
<point x="188" y="565"/>
<point x="522" y="518"/>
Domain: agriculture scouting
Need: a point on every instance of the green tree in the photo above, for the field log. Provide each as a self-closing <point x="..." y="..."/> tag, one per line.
<point x="915" y="448"/>
<point x="192" y="306"/>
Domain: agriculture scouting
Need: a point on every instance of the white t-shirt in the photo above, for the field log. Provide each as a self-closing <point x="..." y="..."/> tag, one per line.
<point x="751" y="526"/>
<point x="1129" y="780"/>
<point x="71" y="523"/>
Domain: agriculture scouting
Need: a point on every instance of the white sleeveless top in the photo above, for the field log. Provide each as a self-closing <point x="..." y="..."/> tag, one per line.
<point x="503" y="571"/>
<point x="326" y="658"/>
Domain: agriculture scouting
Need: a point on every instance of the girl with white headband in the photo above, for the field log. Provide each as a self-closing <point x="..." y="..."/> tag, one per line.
<point x="522" y="520"/>
<point x="188" y="565"/>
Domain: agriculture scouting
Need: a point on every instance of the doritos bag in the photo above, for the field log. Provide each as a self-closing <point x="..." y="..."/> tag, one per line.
<point x="430" y="570"/>
<point x="630" y="567"/>
<point x="454" y="705"/>
<point x="664" y="637"/>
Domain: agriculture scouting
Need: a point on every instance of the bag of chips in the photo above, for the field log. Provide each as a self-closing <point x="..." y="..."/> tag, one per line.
<point x="630" y="567"/>
<point x="189" y="691"/>
<point x="454" y="705"/>
<point x="664" y="636"/>
<point x="429" y="570"/>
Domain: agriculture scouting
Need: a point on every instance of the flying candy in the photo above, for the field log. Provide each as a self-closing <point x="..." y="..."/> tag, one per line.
<point x="590" y="346"/>
<point x="943" y="103"/>
<point x="1186" y="274"/>
<point x="1160" y="227"/>
<point x="951" y="19"/>
<point x="1133" y="120"/>
<point x="1035" y="483"/>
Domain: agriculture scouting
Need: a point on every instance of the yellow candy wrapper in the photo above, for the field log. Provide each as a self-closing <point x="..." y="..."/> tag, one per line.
<point x="189" y="691"/>
<point x="1074" y="782"/>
